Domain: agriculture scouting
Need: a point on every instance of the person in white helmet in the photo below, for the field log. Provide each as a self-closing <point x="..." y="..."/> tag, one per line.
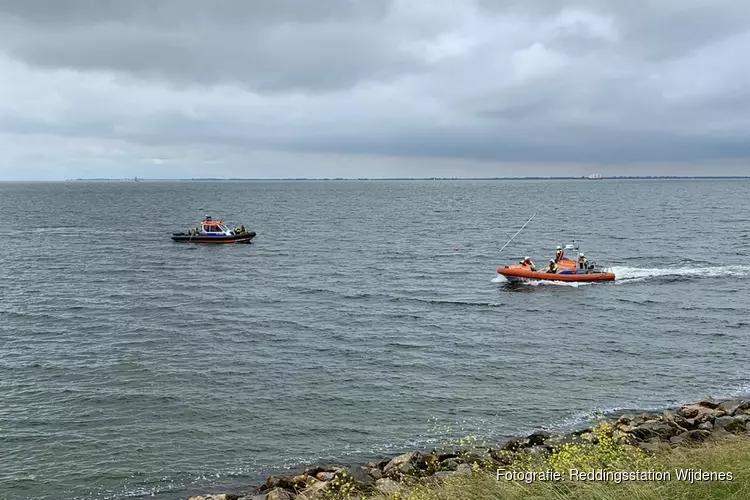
<point x="527" y="262"/>
<point x="583" y="262"/>
<point x="552" y="266"/>
<point x="559" y="254"/>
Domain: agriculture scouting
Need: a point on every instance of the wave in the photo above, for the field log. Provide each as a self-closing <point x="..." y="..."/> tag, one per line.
<point x="425" y="300"/>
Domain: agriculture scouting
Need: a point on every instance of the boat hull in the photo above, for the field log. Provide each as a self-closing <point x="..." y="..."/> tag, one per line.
<point x="522" y="273"/>
<point x="235" y="238"/>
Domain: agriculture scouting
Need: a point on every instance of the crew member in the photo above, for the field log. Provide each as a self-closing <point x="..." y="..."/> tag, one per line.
<point x="552" y="266"/>
<point x="583" y="262"/>
<point x="528" y="262"/>
<point x="559" y="254"/>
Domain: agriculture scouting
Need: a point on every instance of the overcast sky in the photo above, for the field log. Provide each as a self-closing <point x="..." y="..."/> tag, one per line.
<point x="373" y="88"/>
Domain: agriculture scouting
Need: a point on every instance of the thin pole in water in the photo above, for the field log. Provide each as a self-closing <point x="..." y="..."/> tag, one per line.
<point x="511" y="238"/>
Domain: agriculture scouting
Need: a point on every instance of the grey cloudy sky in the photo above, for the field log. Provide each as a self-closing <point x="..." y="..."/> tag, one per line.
<point x="301" y="88"/>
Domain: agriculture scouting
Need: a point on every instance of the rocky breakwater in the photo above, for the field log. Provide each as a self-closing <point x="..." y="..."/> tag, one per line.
<point x="704" y="421"/>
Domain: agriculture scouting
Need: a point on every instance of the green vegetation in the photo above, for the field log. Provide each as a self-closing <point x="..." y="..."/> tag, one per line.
<point x="700" y="451"/>
<point x="665" y="475"/>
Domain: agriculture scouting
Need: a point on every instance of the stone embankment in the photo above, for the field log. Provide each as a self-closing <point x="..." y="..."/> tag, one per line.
<point x="707" y="420"/>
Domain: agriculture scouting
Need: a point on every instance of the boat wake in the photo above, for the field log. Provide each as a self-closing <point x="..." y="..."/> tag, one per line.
<point x="570" y="284"/>
<point x="630" y="274"/>
<point x="624" y="274"/>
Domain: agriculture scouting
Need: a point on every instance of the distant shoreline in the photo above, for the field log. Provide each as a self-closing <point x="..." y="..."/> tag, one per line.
<point x="364" y="179"/>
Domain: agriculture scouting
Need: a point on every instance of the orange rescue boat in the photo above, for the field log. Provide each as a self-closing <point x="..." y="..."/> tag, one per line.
<point x="568" y="271"/>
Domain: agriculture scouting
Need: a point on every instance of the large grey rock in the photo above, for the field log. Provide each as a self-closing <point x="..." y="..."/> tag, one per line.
<point x="695" y="436"/>
<point x="358" y="474"/>
<point x="641" y="419"/>
<point x="324" y="476"/>
<point x="625" y="419"/>
<point x="279" y="494"/>
<point x="700" y="413"/>
<point x="538" y="438"/>
<point x="478" y="455"/>
<point x="730" y="406"/>
<point x="285" y="482"/>
<point x="449" y="464"/>
<point x="678" y="422"/>
<point x="401" y="465"/>
<point x="387" y="486"/>
<point x="375" y="473"/>
<point x="706" y="426"/>
<point x="689" y="411"/>
<point x="735" y="425"/>
<point x="653" y="429"/>
<point x="314" y="471"/>
<point x="709" y="403"/>
<point x="379" y="463"/>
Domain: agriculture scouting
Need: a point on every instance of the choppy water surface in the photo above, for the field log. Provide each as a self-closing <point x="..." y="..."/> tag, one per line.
<point x="133" y="366"/>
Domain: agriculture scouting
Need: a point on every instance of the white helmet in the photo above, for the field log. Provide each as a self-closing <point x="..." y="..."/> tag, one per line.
<point x="527" y="258"/>
<point x="581" y="255"/>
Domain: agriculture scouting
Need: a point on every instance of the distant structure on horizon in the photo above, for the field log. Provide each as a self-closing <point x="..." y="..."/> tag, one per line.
<point x="594" y="177"/>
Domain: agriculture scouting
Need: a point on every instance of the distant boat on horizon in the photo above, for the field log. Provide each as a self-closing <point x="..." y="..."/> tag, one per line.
<point x="594" y="177"/>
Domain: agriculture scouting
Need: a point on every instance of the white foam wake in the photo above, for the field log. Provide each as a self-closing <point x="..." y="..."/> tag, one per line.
<point x="639" y="274"/>
<point x="501" y="279"/>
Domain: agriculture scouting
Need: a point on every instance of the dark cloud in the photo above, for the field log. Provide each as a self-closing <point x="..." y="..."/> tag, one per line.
<point x="536" y="80"/>
<point x="266" y="46"/>
<point x="175" y="13"/>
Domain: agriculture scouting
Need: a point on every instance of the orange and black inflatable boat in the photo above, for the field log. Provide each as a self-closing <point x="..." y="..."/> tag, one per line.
<point x="567" y="271"/>
<point x="214" y="231"/>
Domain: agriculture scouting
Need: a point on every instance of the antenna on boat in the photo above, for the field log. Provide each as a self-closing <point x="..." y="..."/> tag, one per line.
<point x="511" y="238"/>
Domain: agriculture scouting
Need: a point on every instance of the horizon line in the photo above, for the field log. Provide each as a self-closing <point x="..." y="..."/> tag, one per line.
<point x="287" y="179"/>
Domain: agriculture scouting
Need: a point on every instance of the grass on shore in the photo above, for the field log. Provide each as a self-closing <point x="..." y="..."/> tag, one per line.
<point x="614" y="455"/>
